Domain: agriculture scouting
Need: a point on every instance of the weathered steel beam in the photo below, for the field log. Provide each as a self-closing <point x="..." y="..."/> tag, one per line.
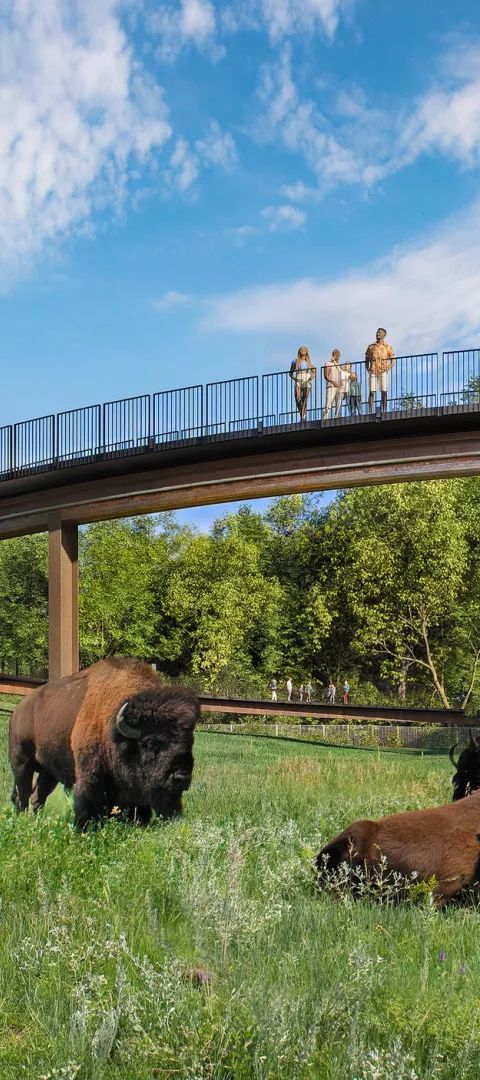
<point x="62" y="597"/>
<point x="374" y="713"/>
<point x="430" y="455"/>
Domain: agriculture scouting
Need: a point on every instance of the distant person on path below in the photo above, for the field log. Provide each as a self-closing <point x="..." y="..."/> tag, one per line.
<point x="333" y="377"/>
<point x="354" y="395"/>
<point x="309" y="690"/>
<point x="331" y="691"/>
<point x="273" y="688"/>
<point x="346" y="692"/>
<point x="301" y="690"/>
<point x="379" y="360"/>
<point x="302" y="373"/>
<point x="289" y="689"/>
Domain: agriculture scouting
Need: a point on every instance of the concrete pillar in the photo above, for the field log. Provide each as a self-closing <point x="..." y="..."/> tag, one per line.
<point x="62" y="597"/>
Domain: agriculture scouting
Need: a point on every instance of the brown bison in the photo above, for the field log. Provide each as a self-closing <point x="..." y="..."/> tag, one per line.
<point x="467" y="769"/>
<point x="441" y="843"/>
<point x="115" y="733"/>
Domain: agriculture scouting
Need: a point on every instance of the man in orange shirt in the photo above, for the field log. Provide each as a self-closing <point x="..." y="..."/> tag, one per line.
<point x="379" y="360"/>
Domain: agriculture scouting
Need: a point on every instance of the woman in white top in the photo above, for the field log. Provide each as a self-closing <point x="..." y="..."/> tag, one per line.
<point x="302" y="372"/>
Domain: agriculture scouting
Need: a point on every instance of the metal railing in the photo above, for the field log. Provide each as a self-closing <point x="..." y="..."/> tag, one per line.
<point x="416" y="385"/>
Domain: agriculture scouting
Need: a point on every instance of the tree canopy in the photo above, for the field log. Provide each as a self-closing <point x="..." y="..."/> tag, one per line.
<point x="380" y="586"/>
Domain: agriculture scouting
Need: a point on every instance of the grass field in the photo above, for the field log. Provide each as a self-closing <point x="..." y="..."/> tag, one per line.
<point x="103" y="935"/>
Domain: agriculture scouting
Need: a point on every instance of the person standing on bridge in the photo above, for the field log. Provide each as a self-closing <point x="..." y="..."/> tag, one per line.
<point x="333" y="377"/>
<point x="273" y="688"/>
<point x="379" y="360"/>
<point x="346" y="692"/>
<point x="302" y="373"/>
<point x="309" y="690"/>
<point x="289" y="686"/>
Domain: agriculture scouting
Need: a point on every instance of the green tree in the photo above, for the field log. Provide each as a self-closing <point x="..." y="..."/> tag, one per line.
<point x="24" y="603"/>
<point x="224" y="613"/>
<point x="117" y="615"/>
<point x="400" y="567"/>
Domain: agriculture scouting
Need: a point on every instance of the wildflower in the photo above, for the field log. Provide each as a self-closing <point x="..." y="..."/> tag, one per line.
<point x="442" y="956"/>
<point x="462" y="970"/>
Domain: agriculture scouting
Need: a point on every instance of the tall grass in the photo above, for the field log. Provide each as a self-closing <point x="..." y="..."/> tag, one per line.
<point x="201" y="949"/>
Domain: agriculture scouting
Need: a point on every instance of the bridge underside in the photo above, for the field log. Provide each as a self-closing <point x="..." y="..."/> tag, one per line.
<point x="305" y="458"/>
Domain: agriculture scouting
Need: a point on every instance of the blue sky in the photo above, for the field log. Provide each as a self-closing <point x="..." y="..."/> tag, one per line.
<point x="191" y="189"/>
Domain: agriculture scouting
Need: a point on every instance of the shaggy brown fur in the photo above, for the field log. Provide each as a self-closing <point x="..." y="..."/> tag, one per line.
<point x="467" y="769"/>
<point x="66" y="733"/>
<point x="441" y="843"/>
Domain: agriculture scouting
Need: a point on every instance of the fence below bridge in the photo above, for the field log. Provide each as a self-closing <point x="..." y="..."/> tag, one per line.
<point x="359" y="736"/>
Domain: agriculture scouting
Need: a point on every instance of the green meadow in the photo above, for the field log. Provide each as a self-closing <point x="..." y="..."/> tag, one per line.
<point x="201" y="948"/>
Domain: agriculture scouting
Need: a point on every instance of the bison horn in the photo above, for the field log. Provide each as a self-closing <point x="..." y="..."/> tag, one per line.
<point x="451" y="753"/>
<point x="123" y="727"/>
<point x="473" y="741"/>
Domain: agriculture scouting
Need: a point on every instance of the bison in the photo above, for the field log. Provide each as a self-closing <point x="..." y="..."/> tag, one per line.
<point x="114" y="732"/>
<point x="466" y="777"/>
<point x="441" y="843"/>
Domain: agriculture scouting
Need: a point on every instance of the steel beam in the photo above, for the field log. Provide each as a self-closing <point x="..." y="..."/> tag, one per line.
<point x="166" y="485"/>
<point x="62" y="597"/>
<point x="309" y="711"/>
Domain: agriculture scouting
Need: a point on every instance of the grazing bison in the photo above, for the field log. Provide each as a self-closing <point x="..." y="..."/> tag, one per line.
<point x="467" y="769"/>
<point x="115" y="733"/>
<point x="441" y="843"/>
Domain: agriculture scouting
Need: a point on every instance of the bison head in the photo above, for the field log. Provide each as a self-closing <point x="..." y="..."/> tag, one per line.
<point x="467" y="769"/>
<point x="151" y="746"/>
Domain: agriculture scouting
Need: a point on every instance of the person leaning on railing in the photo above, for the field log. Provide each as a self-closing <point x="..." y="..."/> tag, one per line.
<point x="302" y="372"/>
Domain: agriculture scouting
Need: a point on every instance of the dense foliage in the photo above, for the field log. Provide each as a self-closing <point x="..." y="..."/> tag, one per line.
<point x="381" y="586"/>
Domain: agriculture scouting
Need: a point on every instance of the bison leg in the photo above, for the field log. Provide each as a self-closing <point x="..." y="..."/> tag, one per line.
<point x="22" y="788"/>
<point x="88" y="803"/>
<point x="139" y="815"/>
<point x="45" y="784"/>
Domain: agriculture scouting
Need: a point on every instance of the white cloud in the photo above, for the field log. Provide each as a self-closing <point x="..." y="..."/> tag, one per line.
<point x="171" y="299"/>
<point x="426" y="294"/>
<point x="285" y="18"/>
<point x="301" y="127"/>
<point x="183" y="166"/>
<point x="192" y="23"/>
<point x="77" y="116"/>
<point x="284" y="217"/>
<point x="216" y="150"/>
<point x="297" y="192"/>
<point x="447" y="117"/>
<point x="240" y="233"/>
<point x="361" y="144"/>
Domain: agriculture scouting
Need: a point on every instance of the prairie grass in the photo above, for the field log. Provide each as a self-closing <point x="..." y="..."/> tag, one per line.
<point x="201" y="950"/>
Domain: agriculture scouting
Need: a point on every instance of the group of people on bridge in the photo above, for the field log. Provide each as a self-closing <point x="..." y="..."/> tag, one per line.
<point x="342" y="383"/>
<point x="305" y="691"/>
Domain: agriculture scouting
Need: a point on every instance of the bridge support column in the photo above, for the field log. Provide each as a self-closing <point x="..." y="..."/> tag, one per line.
<point x="62" y="597"/>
